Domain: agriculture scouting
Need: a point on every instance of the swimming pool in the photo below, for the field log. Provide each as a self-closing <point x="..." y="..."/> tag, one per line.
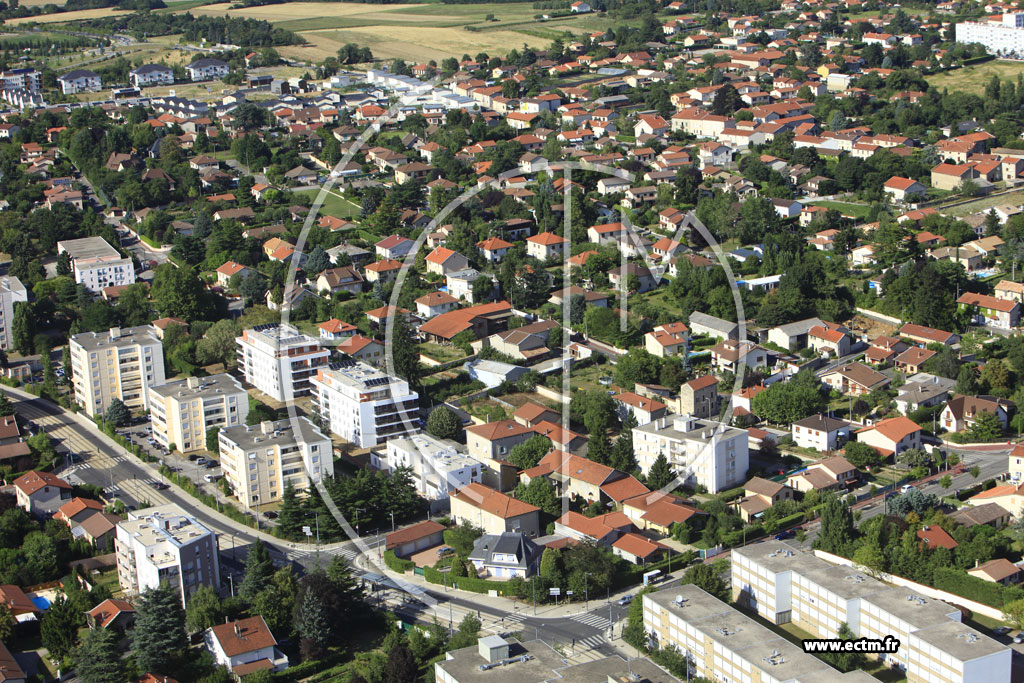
<point x="41" y="602"/>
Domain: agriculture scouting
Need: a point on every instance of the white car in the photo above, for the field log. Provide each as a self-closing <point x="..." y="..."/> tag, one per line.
<point x="210" y="478"/>
<point x="907" y="487"/>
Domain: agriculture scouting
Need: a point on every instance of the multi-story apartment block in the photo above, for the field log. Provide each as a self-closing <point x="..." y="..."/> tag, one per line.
<point x="206" y="69"/>
<point x="783" y="584"/>
<point x="11" y="292"/>
<point x="438" y="466"/>
<point x="723" y="644"/>
<point x="363" y="405"/>
<point x="701" y="451"/>
<point x="163" y="543"/>
<point x="260" y="461"/>
<point x="182" y="411"/>
<point x="23" y="79"/>
<point x="1001" y="35"/>
<point x="122" y="363"/>
<point x="279" y="360"/>
<point x="96" y="264"/>
<point x="151" y="74"/>
<point x="79" y="80"/>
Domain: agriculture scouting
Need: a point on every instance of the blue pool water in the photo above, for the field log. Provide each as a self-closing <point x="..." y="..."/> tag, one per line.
<point x="41" y="602"/>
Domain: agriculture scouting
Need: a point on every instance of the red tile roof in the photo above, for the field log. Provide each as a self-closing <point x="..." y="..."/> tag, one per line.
<point x="32" y="481"/>
<point x="244" y="635"/>
<point x="412" y="533"/>
<point x="493" y="502"/>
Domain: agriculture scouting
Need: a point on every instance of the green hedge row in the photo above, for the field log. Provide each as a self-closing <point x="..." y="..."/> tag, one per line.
<point x="465" y="583"/>
<point x="397" y="564"/>
<point x="970" y="587"/>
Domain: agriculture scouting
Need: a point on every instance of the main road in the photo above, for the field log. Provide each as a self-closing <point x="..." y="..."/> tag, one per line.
<point x="101" y="462"/>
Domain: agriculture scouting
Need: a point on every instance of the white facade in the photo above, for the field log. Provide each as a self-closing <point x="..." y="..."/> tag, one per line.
<point x="181" y="412"/>
<point x="438" y="468"/>
<point x="279" y="360"/>
<point x="79" y="80"/>
<point x="165" y="544"/>
<point x="11" y="292"/>
<point x="96" y="264"/>
<point x="121" y="363"/>
<point x="207" y="69"/>
<point x="151" y="74"/>
<point x="363" y="405"/>
<point x="24" y="79"/>
<point x="702" y="452"/>
<point x="1005" y="37"/>
<point x="260" y="461"/>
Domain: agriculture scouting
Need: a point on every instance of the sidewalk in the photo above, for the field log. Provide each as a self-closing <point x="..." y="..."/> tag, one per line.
<point x="509" y="605"/>
<point x="199" y="509"/>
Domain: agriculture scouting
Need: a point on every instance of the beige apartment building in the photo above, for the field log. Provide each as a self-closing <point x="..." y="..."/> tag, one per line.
<point x="259" y="461"/>
<point x="122" y="363"/>
<point x="181" y="412"/>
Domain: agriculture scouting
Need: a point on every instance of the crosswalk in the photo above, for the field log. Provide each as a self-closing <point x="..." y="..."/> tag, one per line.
<point x="591" y="619"/>
<point x="591" y="642"/>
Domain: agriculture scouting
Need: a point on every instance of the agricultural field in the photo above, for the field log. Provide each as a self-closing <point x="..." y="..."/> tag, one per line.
<point x="414" y="32"/>
<point x="63" y="17"/>
<point x="973" y="79"/>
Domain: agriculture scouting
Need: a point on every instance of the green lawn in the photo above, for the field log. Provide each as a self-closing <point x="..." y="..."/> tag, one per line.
<point x="859" y="211"/>
<point x="440" y="352"/>
<point x="586" y="378"/>
<point x="334" y="204"/>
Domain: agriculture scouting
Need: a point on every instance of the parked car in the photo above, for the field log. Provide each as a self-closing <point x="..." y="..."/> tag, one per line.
<point x="907" y="487"/>
<point x="210" y="478"/>
<point x="160" y="486"/>
<point x="783" y="535"/>
<point x="193" y="456"/>
<point x="200" y="461"/>
<point x="625" y="600"/>
<point x="270" y="514"/>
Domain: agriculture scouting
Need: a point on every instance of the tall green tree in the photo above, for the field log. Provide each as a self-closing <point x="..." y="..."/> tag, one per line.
<point x="23" y="328"/>
<point x="443" y="423"/>
<point x="159" y="641"/>
<point x="660" y="474"/>
<point x="276" y="603"/>
<point x="290" y="518"/>
<point x="312" y="624"/>
<point x="837" y="532"/>
<point x="405" y="353"/>
<point x="117" y="413"/>
<point x="59" y="627"/>
<point x="259" y="569"/>
<point x="705" y="577"/>
<point x="401" y="665"/>
<point x="203" y="610"/>
<point x="98" y="658"/>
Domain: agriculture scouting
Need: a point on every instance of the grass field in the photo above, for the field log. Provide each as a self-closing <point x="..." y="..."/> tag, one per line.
<point x="986" y="203"/>
<point x="334" y="205"/>
<point x="855" y="210"/>
<point x="973" y="79"/>
<point x="69" y="16"/>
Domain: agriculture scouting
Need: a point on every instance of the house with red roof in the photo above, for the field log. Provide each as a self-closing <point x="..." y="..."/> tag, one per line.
<point x="336" y="329"/>
<point x="936" y="537"/>
<point x="382" y="271"/>
<point x="41" y="493"/>
<point x="657" y="512"/>
<point x="435" y="303"/>
<point x="229" y="270"/>
<point x="604" y="529"/>
<point x="546" y="245"/>
<point x="493" y="511"/>
<point x="363" y="348"/>
<point x="494" y="249"/>
<point x="245" y="646"/>
<point x="644" y="409"/>
<point x="904" y="189"/>
<point x="892" y="435"/>
<point x="394" y="247"/>
<point x="637" y="549"/>
<point x="443" y="261"/>
<point x="119" y="614"/>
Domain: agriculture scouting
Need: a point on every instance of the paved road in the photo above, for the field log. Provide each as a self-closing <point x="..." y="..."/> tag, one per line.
<point x="125" y="478"/>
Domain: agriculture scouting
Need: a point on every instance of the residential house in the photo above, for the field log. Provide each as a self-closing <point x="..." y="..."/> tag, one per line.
<point x="989" y="310"/>
<point x="493" y="511"/>
<point x="854" y="379"/>
<point x="245" y="646"/>
<point x="699" y="397"/>
<point x="444" y="261"/>
<point x="671" y="339"/>
<point x="830" y="474"/>
<point x="494" y="249"/>
<point x="41" y="493"/>
<point x="702" y="324"/>
<point x="759" y="495"/>
<point x="644" y="409"/>
<point x="912" y="360"/>
<point x="394" y="247"/>
<point x="435" y="303"/>
<point x="892" y="435"/>
<point x="961" y="412"/>
<point x="820" y="433"/>
<point x="731" y="355"/>
<point x="504" y="556"/>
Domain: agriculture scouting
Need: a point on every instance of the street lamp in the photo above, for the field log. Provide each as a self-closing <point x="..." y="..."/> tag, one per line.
<point x="586" y="591"/>
<point x="392" y="522"/>
<point x="358" y="510"/>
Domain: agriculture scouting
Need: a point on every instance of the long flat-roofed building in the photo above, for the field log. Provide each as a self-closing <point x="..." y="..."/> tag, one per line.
<point x="786" y="585"/>
<point x="11" y="292"/>
<point x="279" y="360"/>
<point x="364" y="405"/>
<point x="259" y="461"/>
<point x="701" y="451"/>
<point x="96" y="264"/>
<point x="182" y="411"/>
<point x="164" y="543"/>
<point x="120" y="363"/>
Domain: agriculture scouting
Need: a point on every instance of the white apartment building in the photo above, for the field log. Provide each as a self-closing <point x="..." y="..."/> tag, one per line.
<point x="206" y="69"/>
<point x="785" y="585"/>
<point x="438" y="467"/>
<point x="11" y="292"/>
<point x="723" y="644"/>
<point x="364" y="405"/>
<point x="121" y="363"/>
<point x="25" y="79"/>
<point x="701" y="451"/>
<point x="79" y="80"/>
<point x="1004" y="36"/>
<point x="163" y="543"/>
<point x="181" y="412"/>
<point x="96" y="264"/>
<point x="151" y="74"/>
<point x="259" y="461"/>
<point x="279" y="360"/>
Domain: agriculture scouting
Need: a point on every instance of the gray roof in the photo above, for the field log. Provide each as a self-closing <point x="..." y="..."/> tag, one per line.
<point x="779" y="557"/>
<point x="960" y="641"/>
<point x="205" y="387"/>
<point x="151" y="68"/>
<point x="799" y="327"/>
<point x="78" y="73"/>
<point x="206" y="62"/>
<point x="282" y="432"/>
<point x="117" y="337"/>
<point x="88" y="247"/>
<point x="916" y="610"/>
<point x="710" y="321"/>
<point x="822" y="422"/>
<point x="509" y="543"/>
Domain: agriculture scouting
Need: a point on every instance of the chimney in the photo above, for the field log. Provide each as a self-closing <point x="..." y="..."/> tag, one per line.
<point x="238" y="631"/>
<point x="115" y="333"/>
<point x="192" y="382"/>
<point x="977" y="563"/>
<point x="267" y="427"/>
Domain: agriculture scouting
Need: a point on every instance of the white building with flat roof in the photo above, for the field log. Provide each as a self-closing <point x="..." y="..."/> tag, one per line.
<point x="96" y="264"/>
<point x="364" y="405"/>
<point x="786" y="585"/>
<point x="279" y="360"/>
<point x="701" y="451"/>
<point x="260" y="461"/>
<point x="11" y="292"/>
<point x="1001" y="35"/>
<point x="120" y="363"/>
<point x="438" y="466"/>
<point x="164" y="543"/>
<point x="181" y="412"/>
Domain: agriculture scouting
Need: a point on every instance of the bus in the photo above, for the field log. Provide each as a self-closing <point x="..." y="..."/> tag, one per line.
<point x="652" y="576"/>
